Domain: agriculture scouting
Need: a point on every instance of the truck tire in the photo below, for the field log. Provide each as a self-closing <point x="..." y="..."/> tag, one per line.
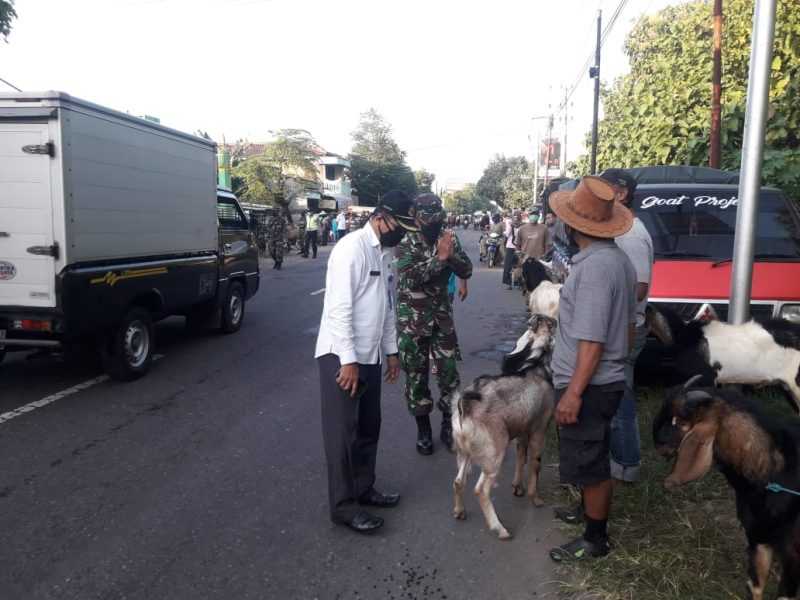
<point x="233" y="309"/>
<point x="128" y="352"/>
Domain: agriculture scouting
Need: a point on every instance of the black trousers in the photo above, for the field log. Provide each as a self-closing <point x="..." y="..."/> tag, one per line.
<point x="508" y="265"/>
<point x="311" y="238"/>
<point x="350" y="431"/>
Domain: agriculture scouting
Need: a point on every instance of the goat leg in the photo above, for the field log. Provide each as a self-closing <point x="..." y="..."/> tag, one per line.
<point x="759" y="558"/>
<point x="535" y="448"/>
<point x="790" y="580"/>
<point x="458" y="486"/>
<point x="519" y="467"/>
<point x="483" y="490"/>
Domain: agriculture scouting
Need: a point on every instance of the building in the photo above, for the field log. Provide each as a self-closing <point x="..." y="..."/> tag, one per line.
<point x="337" y="193"/>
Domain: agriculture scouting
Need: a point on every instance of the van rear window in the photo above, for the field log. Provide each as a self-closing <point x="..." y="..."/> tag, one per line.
<point x="702" y="225"/>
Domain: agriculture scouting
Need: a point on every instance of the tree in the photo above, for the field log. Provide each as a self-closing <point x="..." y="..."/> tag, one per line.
<point x="377" y="165"/>
<point x="373" y="141"/>
<point x="7" y="14"/>
<point x="465" y="201"/>
<point x="517" y="184"/>
<point x="424" y="180"/>
<point x="490" y="185"/>
<point x="659" y="113"/>
<point x="287" y="166"/>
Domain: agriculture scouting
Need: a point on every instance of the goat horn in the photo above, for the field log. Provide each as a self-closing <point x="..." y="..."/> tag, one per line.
<point x="692" y="381"/>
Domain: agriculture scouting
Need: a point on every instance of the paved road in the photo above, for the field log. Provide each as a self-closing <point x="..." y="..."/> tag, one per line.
<point x="205" y="479"/>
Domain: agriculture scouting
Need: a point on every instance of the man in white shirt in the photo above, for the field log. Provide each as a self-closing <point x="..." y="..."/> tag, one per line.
<point x="638" y="246"/>
<point x="341" y="225"/>
<point x="356" y="331"/>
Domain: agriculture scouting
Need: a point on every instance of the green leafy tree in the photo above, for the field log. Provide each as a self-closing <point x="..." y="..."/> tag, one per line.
<point x="7" y="15"/>
<point x="287" y="167"/>
<point x="660" y="113"/>
<point x="517" y="184"/>
<point x="465" y="201"/>
<point x="424" y="180"/>
<point x="377" y="165"/>
<point x="490" y="185"/>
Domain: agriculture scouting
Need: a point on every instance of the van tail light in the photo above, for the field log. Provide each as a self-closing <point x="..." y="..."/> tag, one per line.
<point x="32" y="325"/>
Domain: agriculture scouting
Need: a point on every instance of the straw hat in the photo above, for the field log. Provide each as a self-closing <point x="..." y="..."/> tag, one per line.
<point x="590" y="208"/>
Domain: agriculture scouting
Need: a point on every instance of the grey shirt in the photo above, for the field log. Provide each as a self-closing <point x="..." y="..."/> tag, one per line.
<point x="598" y="304"/>
<point x="638" y="245"/>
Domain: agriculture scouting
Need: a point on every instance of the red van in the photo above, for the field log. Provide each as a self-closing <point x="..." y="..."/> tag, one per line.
<point x="691" y="216"/>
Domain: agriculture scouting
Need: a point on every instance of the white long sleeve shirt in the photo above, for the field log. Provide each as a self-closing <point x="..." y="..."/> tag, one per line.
<point x="358" y="317"/>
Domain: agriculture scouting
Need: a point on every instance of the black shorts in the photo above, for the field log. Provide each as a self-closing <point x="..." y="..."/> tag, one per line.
<point x="584" y="446"/>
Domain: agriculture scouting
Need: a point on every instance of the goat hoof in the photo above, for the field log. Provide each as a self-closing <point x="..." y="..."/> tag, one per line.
<point x="519" y="491"/>
<point x="504" y="534"/>
<point x="460" y="515"/>
<point x="537" y="502"/>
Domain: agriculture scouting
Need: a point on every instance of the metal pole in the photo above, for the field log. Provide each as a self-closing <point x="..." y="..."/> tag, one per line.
<point x="752" y="155"/>
<point x="536" y="170"/>
<point x="566" y="126"/>
<point x="547" y="155"/>
<point x="595" y="72"/>
<point x="716" y="90"/>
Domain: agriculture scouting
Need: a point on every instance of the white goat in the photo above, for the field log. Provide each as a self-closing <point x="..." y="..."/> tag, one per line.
<point x="753" y="353"/>
<point x="494" y="410"/>
<point x="544" y="299"/>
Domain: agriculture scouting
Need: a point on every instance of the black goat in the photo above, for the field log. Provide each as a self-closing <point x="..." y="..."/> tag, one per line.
<point x="703" y="426"/>
<point x="757" y="354"/>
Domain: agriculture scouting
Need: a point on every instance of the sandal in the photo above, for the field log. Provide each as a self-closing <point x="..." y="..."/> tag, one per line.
<point x="579" y="549"/>
<point x="570" y="516"/>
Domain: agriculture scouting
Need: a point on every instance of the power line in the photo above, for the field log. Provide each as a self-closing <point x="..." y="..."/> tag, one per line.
<point x="11" y="85"/>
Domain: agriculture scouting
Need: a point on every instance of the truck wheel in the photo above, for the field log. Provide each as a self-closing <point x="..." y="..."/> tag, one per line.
<point x="129" y="351"/>
<point x="233" y="309"/>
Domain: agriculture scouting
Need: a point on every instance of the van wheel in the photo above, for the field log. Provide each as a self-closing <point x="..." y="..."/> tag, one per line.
<point x="128" y="353"/>
<point x="233" y="309"/>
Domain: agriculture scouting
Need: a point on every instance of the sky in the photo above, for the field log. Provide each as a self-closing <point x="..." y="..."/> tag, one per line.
<point x="458" y="80"/>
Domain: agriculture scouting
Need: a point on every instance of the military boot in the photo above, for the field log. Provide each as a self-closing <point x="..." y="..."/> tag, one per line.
<point x="424" y="436"/>
<point x="446" y="435"/>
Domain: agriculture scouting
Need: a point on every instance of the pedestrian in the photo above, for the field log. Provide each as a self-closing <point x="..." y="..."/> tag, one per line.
<point x="335" y="227"/>
<point x="357" y="330"/>
<point x="532" y="238"/>
<point x="312" y="233"/>
<point x="276" y="235"/>
<point x="596" y="316"/>
<point x="509" y="231"/>
<point x="324" y="229"/>
<point x="341" y="225"/>
<point x="301" y="235"/>
<point x="425" y="324"/>
<point x="637" y="244"/>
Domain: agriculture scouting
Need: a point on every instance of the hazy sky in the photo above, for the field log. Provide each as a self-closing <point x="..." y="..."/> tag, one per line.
<point x="459" y="80"/>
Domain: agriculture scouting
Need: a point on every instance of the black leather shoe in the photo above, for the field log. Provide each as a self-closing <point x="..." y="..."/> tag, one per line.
<point x="363" y="522"/>
<point x="375" y="498"/>
<point x="425" y="443"/>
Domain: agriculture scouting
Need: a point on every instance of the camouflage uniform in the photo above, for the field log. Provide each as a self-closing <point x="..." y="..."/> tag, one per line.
<point x="276" y="233"/>
<point x="301" y="235"/>
<point x="425" y="324"/>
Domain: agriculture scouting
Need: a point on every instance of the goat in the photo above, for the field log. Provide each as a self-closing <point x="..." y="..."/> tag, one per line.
<point x="753" y="353"/>
<point x="703" y="426"/>
<point x="494" y="410"/>
<point x="544" y="299"/>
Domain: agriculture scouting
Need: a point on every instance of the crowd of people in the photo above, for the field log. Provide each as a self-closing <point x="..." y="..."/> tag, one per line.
<point x="389" y="302"/>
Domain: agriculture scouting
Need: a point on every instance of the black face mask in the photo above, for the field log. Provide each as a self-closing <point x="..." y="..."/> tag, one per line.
<point x="390" y="239"/>
<point x="431" y="231"/>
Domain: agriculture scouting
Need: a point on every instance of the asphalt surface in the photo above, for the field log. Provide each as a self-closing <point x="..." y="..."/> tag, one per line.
<point x="206" y="478"/>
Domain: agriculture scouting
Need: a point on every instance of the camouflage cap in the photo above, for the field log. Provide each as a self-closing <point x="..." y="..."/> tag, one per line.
<point x="429" y="208"/>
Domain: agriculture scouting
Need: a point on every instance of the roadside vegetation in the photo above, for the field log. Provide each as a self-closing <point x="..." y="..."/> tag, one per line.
<point x="666" y="545"/>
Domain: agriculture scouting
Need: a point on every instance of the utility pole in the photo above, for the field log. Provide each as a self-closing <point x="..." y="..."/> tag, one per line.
<point x="755" y="123"/>
<point x="566" y="126"/>
<point x="547" y="154"/>
<point x="715" y="152"/>
<point x="594" y="72"/>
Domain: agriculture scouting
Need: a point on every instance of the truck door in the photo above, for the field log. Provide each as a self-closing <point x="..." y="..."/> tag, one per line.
<point x="28" y="251"/>
<point x="236" y="244"/>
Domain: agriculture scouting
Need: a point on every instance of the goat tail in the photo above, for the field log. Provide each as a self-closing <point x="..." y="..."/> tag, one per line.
<point x="466" y="400"/>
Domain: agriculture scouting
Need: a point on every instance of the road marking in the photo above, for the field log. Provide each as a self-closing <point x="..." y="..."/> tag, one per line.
<point x="318" y="292"/>
<point x="18" y="412"/>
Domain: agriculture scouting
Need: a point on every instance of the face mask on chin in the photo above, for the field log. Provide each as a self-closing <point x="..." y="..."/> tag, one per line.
<point x="431" y="231"/>
<point x="390" y="239"/>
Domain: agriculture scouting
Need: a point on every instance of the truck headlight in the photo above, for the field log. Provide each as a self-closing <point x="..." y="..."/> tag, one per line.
<point x="791" y="312"/>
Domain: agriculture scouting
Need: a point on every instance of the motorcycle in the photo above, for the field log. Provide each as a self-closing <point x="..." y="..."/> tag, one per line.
<point x="493" y="249"/>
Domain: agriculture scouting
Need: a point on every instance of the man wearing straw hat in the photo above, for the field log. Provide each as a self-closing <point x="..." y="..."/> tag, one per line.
<point x="597" y="314"/>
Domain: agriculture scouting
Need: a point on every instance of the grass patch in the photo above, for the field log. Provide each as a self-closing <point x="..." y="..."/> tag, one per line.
<point x="667" y="545"/>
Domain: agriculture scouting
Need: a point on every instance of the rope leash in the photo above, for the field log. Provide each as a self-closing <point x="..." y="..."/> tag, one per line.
<point x="777" y="488"/>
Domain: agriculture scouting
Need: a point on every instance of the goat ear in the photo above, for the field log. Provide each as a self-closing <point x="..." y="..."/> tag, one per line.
<point x="659" y="326"/>
<point x="694" y="401"/>
<point x="695" y="455"/>
<point x="522" y="343"/>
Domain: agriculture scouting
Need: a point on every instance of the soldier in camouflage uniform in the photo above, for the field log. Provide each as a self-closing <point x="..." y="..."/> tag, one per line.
<point x="425" y="324"/>
<point x="276" y="233"/>
<point x="301" y="235"/>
